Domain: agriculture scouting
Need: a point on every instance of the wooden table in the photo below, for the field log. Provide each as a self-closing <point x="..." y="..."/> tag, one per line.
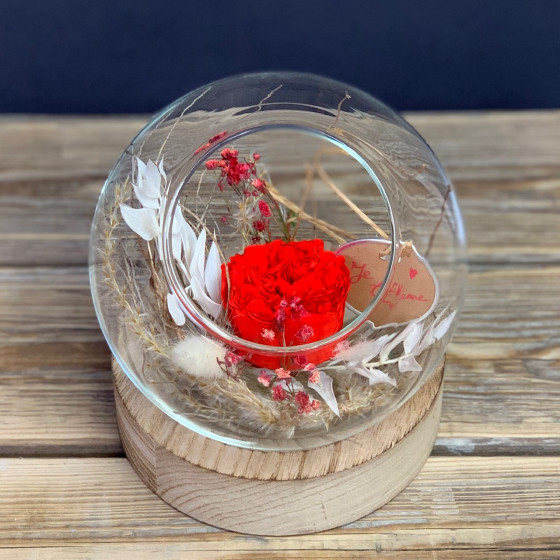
<point x="492" y="486"/>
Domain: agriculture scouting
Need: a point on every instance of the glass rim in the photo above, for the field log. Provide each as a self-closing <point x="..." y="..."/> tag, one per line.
<point x="186" y="303"/>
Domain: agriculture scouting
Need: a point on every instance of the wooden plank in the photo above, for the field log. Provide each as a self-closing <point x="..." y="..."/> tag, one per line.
<point x="509" y="224"/>
<point x="180" y="551"/>
<point x="39" y="148"/>
<point x="47" y="221"/>
<point x="54" y="367"/>
<point x="455" y="507"/>
<point x="501" y="145"/>
<point x="500" y="396"/>
<point x="510" y="312"/>
<point x="505" y="168"/>
<point x="500" y="406"/>
<point x="471" y="145"/>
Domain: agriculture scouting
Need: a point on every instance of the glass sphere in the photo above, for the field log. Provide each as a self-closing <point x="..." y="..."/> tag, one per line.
<point x="277" y="261"/>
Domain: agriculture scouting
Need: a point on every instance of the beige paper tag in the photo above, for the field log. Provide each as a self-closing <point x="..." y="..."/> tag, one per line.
<point x="412" y="289"/>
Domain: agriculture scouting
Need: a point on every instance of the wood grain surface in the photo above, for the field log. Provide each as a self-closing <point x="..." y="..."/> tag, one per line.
<point x="492" y="486"/>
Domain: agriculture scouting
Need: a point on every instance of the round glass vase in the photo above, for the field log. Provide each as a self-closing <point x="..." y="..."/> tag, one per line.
<point x="277" y="263"/>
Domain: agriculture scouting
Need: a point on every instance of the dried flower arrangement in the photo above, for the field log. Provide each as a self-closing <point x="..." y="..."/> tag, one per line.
<point x="278" y="291"/>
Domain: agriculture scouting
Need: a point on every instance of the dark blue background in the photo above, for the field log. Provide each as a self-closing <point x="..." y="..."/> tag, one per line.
<point x="107" y="56"/>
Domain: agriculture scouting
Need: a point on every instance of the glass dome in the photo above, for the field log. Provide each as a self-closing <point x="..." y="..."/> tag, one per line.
<point x="277" y="261"/>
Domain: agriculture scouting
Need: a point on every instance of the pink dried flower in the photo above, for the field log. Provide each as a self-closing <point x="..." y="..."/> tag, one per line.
<point x="264" y="209"/>
<point x="213" y="164"/>
<point x="341" y="347"/>
<point x="231" y="168"/>
<point x="268" y="334"/>
<point x="303" y="401"/>
<point x="305" y="333"/>
<point x="259" y="225"/>
<point x="282" y="373"/>
<point x="259" y="184"/>
<point x="280" y="315"/>
<point x="297" y="311"/>
<point x="315" y="376"/>
<point x="309" y="366"/>
<point x="212" y="140"/>
<point x="236" y="172"/>
<point x="300" y="361"/>
<point x="256" y="156"/>
<point x="217" y="137"/>
<point x="264" y="378"/>
<point x="229" y="153"/>
<point x="231" y="359"/>
<point x="278" y="393"/>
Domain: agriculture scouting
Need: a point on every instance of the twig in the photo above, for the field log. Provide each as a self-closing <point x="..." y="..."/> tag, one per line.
<point x="323" y="174"/>
<point x="433" y="236"/>
<point x="270" y="94"/>
<point x="147" y="254"/>
<point x="303" y="201"/>
<point x="179" y="120"/>
<point x="339" y="110"/>
<point x="330" y="230"/>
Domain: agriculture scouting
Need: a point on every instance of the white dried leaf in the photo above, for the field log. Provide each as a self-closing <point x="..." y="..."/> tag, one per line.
<point x="146" y="201"/>
<point x="441" y="329"/>
<point x="177" y="215"/>
<point x="375" y="376"/>
<point x="411" y="341"/>
<point x="384" y="353"/>
<point x="427" y="341"/>
<point x="196" y="267"/>
<point x="189" y="241"/>
<point x="175" y="310"/>
<point x="364" y="350"/>
<point x="292" y="384"/>
<point x="213" y="274"/>
<point x="140" y="168"/>
<point x="142" y="221"/>
<point x="188" y="236"/>
<point x="409" y="363"/>
<point x="148" y="184"/>
<point x="324" y="387"/>
<point x="176" y="234"/>
<point x="198" y="270"/>
<point x="151" y="180"/>
<point x="176" y="246"/>
<point x="199" y="295"/>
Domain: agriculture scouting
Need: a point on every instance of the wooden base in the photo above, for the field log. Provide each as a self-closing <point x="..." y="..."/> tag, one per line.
<point x="256" y="504"/>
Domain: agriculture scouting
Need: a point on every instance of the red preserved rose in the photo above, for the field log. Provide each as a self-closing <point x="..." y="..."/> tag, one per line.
<point x="286" y="294"/>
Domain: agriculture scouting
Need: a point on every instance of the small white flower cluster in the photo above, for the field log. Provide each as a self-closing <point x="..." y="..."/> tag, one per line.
<point x="203" y="274"/>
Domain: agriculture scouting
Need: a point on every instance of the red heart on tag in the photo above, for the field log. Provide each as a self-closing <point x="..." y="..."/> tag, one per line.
<point x="412" y="272"/>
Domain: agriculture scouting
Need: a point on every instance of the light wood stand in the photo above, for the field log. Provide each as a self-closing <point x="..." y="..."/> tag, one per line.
<point x="275" y="493"/>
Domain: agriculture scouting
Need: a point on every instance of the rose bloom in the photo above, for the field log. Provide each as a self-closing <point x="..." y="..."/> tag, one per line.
<point x="287" y="289"/>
